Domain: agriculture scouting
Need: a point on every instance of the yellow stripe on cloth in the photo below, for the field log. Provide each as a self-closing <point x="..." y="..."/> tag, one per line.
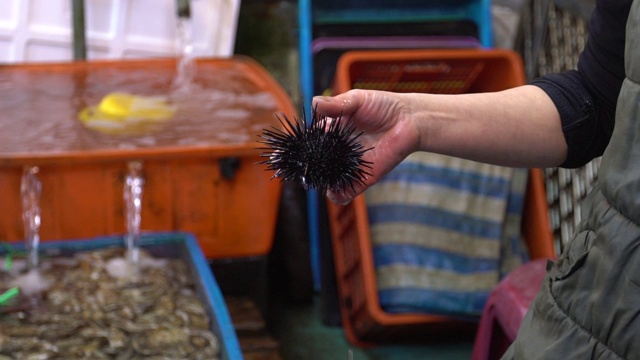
<point x="401" y="233"/>
<point x="402" y="276"/>
<point x="443" y="198"/>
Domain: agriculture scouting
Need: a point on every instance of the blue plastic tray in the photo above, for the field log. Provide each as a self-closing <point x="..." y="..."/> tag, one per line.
<point x="168" y="245"/>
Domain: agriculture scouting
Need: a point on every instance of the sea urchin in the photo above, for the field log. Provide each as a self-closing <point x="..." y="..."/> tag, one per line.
<point x="321" y="155"/>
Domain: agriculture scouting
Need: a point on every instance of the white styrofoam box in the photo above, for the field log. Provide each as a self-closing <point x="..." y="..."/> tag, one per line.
<point x="41" y="30"/>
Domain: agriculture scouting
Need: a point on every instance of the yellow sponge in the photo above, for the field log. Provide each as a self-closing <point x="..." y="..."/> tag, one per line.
<point x="123" y="113"/>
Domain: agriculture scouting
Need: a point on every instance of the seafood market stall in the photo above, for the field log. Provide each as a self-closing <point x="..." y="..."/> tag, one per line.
<point x="111" y="171"/>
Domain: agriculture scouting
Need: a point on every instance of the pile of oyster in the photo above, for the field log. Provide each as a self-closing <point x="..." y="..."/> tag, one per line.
<point x="96" y="305"/>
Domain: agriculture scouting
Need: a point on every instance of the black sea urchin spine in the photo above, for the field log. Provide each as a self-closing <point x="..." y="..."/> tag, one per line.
<point x="321" y="155"/>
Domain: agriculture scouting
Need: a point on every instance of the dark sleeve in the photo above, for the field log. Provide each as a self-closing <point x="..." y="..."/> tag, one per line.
<point x="586" y="98"/>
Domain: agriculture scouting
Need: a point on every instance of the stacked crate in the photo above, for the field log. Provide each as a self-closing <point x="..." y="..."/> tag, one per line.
<point x="340" y="45"/>
<point x="356" y="25"/>
<point x="330" y="28"/>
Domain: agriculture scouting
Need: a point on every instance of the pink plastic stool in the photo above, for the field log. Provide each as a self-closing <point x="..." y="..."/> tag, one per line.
<point x="505" y="309"/>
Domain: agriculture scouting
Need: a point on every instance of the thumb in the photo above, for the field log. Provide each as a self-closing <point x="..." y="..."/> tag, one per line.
<point x="339" y="198"/>
<point x="335" y="105"/>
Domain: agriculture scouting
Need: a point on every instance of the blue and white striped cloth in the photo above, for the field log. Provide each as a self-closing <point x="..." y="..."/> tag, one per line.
<point x="444" y="230"/>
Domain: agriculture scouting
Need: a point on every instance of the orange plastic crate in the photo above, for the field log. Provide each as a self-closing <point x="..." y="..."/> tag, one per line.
<point x="437" y="71"/>
<point x="199" y="169"/>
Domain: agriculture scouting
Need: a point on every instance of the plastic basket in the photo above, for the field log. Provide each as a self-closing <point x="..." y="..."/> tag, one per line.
<point x="199" y="168"/>
<point x="452" y="71"/>
<point x="364" y="321"/>
<point x="168" y="245"/>
<point x="328" y="50"/>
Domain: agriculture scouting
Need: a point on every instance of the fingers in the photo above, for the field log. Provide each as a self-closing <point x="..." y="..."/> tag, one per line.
<point x="342" y="104"/>
<point x="341" y="198"/>
<point x="346" y="105"/>
<point x="327" y="105"/>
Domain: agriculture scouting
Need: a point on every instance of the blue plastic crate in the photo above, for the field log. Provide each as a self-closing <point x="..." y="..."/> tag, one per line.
<point x="167" y="245"/>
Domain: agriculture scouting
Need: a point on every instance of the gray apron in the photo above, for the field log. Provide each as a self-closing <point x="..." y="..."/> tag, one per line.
<point x="589" y="304"/>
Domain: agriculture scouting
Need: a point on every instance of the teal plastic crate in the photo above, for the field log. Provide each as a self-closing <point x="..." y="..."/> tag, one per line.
<point x="166" y="245"/>
<point x="406" y="11"/>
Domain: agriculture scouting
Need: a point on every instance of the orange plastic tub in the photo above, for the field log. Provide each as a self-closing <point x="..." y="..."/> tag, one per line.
<point x="198" y="165"/>
<point x="437" y="71"/>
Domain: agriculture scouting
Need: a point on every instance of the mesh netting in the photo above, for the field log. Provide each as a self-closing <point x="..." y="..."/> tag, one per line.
<point x="552" y="41"/>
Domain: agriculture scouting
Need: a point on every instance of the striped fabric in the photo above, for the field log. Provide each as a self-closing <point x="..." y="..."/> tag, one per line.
<point x="440" y="233"/>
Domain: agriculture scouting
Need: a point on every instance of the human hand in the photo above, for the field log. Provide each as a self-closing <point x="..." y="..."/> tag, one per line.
<point x="386" y="119"/>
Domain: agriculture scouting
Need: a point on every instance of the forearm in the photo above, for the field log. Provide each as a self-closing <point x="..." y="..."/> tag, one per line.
<point x="518" y="127"/>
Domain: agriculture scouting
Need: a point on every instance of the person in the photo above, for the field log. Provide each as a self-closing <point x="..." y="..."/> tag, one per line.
<point x="589" y="304"/>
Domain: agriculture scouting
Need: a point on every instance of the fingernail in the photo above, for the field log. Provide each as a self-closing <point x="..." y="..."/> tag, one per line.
<point x="321" y="98"/>
<point x="336" y="199"/>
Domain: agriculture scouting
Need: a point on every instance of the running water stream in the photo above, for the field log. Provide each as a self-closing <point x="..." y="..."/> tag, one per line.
<point x="133" y="188"/>
<point x="30" y="192"/>
<point x="134" y="182"/>
<point x="186" y="66"/>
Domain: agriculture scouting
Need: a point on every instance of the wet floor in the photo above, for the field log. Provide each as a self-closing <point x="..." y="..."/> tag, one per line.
<point x="302" y="335"/>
